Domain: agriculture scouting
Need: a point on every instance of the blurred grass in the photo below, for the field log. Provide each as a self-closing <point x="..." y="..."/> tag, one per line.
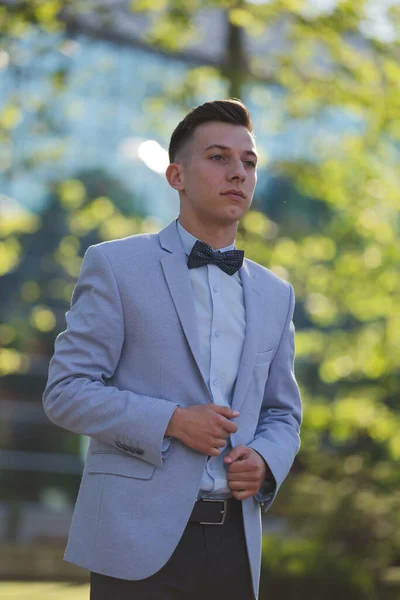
<point x="26" y="590"/>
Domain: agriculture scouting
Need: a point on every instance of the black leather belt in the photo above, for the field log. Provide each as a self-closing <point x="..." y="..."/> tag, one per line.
<point x="207" y="511"/>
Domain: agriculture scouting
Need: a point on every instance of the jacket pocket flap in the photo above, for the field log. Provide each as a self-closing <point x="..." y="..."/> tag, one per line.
<point x="115" y="463"/>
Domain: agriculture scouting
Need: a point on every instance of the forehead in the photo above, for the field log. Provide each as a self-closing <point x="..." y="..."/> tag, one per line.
<point x="233" y="136"/>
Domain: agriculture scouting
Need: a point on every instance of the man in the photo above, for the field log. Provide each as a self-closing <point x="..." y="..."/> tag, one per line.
<point x="177" y="361"/>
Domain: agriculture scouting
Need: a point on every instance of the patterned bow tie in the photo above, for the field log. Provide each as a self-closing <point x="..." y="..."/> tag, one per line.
<point x="202" y="254"/>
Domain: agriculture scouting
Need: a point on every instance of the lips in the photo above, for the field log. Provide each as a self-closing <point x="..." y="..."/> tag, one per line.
<point x="234" y="192"/>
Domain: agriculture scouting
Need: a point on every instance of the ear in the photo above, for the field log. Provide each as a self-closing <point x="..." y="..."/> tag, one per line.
<point x="175" y="176"/>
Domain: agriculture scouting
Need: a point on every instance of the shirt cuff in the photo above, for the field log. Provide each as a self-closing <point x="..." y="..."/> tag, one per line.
<point x="267" y="490"/>
<point x="166" y="447"/>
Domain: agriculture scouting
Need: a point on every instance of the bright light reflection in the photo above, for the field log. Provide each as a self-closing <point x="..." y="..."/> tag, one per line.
<point x="154" y="156"/>
<point x="149" y="151"/>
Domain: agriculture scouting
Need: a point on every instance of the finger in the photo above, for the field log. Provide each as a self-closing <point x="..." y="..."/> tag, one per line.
<point x="225" y="411"/>
<point x="250" y="486"/>
<point x="244" y="466"/>
<point x="219" y="443"/>
<point x="249" y="476"/>
<point x="213" y="451"/>
<point x="236" y="453"/>
<point x="242" y="495"/>
<point x="228" y="426"/>
<point x="240" y="465"/>
<point x="220" y="432"/>
<point x="242" y="486"/>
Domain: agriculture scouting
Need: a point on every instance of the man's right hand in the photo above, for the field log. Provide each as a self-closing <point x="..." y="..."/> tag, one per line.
<point x="203" y="427"/>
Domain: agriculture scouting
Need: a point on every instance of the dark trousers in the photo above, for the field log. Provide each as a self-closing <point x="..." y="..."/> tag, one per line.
<point x="209" y="563"/>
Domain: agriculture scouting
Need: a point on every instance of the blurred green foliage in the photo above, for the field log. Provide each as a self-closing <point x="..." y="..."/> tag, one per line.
<point x="41" y="259"/>
<point x="342" y="502"/>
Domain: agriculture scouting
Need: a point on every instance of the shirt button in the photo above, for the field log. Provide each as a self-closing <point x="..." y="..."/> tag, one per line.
<point x="217" y="333"/>
<point x="215" y="289"/>
<point x="216" y="382"/>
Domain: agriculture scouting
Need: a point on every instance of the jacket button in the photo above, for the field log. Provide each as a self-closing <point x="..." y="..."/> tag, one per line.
<point x="139" y="451"/>
<point x="118" y="445"/>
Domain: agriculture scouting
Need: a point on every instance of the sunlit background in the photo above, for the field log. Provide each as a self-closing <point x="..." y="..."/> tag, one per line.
<point x="90" y="92"/>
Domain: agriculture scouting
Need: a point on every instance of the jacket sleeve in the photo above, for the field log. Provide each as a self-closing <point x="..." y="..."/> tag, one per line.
<point x="277" y="435"/>
<point x="86" y="356"/>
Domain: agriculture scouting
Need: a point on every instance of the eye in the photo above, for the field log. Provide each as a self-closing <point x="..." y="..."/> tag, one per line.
<point x="250" y="163"/>
<point x="217" y="157"/>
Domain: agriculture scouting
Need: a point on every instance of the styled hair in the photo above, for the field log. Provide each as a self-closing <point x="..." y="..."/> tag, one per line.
<point x="228" y="111"/>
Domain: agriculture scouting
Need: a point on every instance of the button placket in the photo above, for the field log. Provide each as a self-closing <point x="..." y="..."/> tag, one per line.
<point x="214" y="275"/>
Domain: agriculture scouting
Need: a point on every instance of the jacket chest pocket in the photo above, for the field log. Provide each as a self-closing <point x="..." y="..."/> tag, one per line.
<point x="260" y="373"/>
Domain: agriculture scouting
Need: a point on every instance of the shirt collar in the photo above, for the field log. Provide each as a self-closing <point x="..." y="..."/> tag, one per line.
<point x="188" y="240"/>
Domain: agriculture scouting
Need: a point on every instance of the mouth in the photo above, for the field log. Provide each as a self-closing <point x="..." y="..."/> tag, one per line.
<point x="234" y="194"/>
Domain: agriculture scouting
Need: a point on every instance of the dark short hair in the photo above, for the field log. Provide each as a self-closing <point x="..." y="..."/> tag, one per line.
<point x="228" y="111"/>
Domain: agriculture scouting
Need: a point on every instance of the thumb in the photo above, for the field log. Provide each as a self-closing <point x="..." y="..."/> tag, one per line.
<point x="225" y="411"/>
<point x="236" y="454"/>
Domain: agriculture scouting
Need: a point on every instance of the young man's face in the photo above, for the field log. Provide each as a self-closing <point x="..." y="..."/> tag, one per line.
<point x="219" y="161"/>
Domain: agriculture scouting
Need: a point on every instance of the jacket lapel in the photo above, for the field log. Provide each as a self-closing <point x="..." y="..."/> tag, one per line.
<point x="253" y="301"/>
<point x="174" y="265"/>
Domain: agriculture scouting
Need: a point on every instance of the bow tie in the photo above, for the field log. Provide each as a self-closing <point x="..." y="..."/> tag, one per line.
<point x="202" y="254"/>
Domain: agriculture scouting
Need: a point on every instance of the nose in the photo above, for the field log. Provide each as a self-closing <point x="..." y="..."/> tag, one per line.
<point x="238" y="171"/>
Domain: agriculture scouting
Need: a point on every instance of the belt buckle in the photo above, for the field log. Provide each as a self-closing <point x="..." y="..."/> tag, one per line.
<point x="223" y="511"/>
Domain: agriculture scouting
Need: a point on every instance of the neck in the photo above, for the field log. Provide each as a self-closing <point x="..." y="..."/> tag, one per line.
<point x="214" y="235"/>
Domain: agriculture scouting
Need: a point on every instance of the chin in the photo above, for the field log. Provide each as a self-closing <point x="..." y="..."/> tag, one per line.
<point x="235" y="213"/>
<point x="226" y="216"/>
<point x="231" y="219"/>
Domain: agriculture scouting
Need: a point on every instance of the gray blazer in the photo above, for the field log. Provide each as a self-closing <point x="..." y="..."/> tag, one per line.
<point x="128" y="357"/>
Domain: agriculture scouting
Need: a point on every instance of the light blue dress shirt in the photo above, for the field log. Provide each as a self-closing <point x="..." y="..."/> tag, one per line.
<point x="221" y="324"/>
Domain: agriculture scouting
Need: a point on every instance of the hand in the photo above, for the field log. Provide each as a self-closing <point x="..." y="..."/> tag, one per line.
<point x="203" y="427"/>
<point x="247" y="472"/>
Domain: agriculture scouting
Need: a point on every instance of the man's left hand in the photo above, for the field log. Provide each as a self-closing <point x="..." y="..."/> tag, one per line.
<point x="247" y="472"/>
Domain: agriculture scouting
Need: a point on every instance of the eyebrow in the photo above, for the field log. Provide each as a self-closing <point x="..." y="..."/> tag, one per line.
<point x="222" y="147"/>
